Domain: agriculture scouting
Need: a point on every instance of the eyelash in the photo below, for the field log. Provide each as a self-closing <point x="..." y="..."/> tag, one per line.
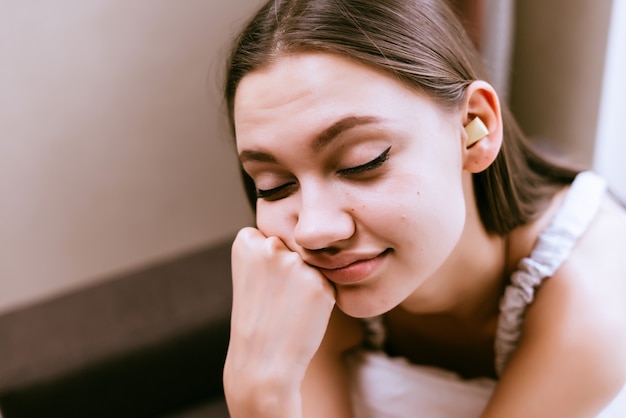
<point x="275" y="193"/>
<point x="375" y="163"/>
<point x="272" y="193"/>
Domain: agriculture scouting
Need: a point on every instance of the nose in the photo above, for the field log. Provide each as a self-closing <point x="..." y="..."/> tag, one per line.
<point x="324" y="221"/>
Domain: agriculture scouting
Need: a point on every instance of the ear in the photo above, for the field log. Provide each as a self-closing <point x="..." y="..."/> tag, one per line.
<point x="481" y="101"/>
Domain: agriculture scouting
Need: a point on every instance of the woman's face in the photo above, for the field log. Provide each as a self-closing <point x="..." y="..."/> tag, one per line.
<point x="357" y="173"/>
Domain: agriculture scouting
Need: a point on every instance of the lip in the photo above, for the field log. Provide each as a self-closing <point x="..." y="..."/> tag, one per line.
<point x="356" y="271"/>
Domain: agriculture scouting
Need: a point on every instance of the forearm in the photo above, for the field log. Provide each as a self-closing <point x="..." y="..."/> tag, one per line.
<point x="276" y="391"/>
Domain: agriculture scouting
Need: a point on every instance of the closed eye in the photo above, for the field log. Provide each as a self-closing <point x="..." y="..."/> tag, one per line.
<point x="284" y="190"/>
<point x="375" y="163"/>
<point x="275" y="193"/>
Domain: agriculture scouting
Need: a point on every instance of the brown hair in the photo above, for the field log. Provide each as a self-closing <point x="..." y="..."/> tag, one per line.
<point x="422" y="43"/>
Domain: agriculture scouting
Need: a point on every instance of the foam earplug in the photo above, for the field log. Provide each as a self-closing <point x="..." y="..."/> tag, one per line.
<point x="476" y="130"/>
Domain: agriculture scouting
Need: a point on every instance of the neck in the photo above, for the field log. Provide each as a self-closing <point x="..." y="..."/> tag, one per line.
<point x="469" y="285"/>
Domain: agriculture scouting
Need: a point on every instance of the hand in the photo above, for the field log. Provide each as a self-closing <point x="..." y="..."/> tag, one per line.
<point x="281" y="309"/>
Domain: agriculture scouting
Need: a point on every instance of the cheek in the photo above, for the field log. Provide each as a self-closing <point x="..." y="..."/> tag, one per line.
<point x="274" y="220"/>
<point x="426" y="215"/>
<point x="438" y="225"/>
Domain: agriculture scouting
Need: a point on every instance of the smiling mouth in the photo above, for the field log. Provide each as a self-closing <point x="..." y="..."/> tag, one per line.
<point x="357" y="271"/>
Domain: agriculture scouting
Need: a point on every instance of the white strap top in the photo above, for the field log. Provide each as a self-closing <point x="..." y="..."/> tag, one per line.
<point x="553" y="247"/>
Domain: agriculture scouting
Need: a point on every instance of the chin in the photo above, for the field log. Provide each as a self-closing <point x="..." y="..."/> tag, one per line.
<point x="359" y="303"/>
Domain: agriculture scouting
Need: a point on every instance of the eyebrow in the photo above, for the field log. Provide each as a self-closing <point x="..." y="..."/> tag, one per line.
<point x="339" y="127"/>
<point x="322" y="140"/>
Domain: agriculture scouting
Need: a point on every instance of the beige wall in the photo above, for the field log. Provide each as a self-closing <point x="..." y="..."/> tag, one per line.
<point x="112" y="150"/>
<point x="558" y="66"/>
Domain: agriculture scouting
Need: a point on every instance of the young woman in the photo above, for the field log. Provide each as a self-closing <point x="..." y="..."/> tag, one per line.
<point x="412" y="256"/>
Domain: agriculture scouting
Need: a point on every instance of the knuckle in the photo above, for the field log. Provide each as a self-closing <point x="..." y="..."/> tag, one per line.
<point x="293" y="259"/>
<point x="272" y="245"/>
<point x="242" y="240"/>
<point x="245" y="233"/>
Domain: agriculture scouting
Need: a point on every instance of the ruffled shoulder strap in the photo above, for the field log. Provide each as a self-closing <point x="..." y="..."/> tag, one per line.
<point x="553" y="247"/>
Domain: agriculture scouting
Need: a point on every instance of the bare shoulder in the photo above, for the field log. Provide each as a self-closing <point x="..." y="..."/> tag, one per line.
<point x="595" y="271"/>
<point x="587" y="295"/>
<point x="579" y="316"/>
<point x="597" y="265"/>
<point x="571" y="360"/>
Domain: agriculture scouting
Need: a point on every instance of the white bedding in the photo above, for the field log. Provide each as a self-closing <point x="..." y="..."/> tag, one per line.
<point x="391" y="387"/>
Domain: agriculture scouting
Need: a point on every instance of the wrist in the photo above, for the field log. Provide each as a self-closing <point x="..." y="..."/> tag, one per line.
<point x="264" y="404"/>
<point x="268" y="398"/>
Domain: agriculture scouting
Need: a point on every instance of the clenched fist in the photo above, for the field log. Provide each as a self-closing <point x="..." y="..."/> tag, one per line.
<point x="281" y="309"/>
